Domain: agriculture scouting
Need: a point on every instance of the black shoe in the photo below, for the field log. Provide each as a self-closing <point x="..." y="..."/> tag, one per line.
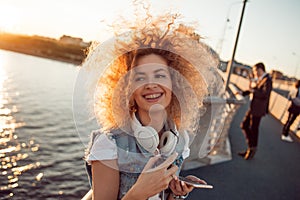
<point x="242" y="153"/>
<point x="250" y="154"/>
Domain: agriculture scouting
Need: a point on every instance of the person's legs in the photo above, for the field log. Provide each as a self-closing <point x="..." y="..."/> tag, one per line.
<point x="285" y="129"/>
<point x="245" y="126"/>
<point x="254" y="127"/>
<point x="250" y="127"/>
<point x="289" y="122"/>
<point x="253" y="137"/>
<point x="246" y="121"/>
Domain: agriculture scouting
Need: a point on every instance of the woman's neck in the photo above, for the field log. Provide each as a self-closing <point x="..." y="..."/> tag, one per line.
<point x="154" y="119"/>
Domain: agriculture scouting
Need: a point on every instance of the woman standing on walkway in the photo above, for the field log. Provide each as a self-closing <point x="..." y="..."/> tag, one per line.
<point x="147" y="102"/>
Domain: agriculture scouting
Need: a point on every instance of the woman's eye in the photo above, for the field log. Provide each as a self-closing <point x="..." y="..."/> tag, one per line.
<point x="160" y="76"/>
<point x="139" y="79"/>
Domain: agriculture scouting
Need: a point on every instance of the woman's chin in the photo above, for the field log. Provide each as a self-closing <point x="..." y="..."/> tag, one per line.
<point x="156" y="108"/>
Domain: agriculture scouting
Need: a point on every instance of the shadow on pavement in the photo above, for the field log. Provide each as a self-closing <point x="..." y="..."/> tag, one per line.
<point x="272" y="174"/>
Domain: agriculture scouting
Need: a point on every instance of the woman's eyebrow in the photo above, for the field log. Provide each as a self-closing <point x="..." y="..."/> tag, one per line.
<point x="136" y="72"/>
<point x="159" y="70"/>
<point x="139" y="73"/>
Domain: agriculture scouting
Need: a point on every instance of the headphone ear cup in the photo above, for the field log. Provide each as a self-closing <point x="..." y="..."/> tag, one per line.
<point x="147" y="137"/>
<point x="167" y="143"/>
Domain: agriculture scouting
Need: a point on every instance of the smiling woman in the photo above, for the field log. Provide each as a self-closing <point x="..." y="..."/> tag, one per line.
<point x="147" y="101"/>
<point x="9" y="18"/>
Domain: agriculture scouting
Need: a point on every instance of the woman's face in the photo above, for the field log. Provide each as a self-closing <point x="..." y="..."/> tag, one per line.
<point x="152" y="84"/>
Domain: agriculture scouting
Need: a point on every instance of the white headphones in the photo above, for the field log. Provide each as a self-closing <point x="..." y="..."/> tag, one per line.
<point x="148" y="138"/>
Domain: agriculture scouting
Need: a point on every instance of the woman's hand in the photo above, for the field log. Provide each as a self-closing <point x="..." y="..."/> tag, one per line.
<point x="180" y="188"/>
<point x="153" y="179"/>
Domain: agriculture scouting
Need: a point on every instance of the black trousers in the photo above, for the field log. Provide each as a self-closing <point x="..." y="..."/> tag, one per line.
<point x="289" y="122"/>
<point x="250" y="127"/>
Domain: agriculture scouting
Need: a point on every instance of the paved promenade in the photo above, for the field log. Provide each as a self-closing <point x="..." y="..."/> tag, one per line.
<point x="274" y="172"/>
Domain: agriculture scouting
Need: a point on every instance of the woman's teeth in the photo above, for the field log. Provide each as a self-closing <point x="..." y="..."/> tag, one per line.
<point x="152" y="96"/>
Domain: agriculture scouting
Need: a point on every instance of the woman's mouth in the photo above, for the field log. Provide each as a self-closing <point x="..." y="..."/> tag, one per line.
<point x="153" y="97"/>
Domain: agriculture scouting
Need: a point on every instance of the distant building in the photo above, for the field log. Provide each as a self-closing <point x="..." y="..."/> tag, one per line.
<point x="237" y="68"/>
<point x="276" y="74"/>
<point x="65" y="39"/>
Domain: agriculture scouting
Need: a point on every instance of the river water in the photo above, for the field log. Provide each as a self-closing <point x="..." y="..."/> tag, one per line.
<point x="40" y="150"/>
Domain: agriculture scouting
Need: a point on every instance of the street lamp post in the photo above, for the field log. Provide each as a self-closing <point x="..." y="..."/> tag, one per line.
<point x="221" y="41"/>
<point x="297" y="64"/>
<point x="229" y="66"/>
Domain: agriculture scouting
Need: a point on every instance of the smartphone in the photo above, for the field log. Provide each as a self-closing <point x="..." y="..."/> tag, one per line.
<point x="194" y="183"/>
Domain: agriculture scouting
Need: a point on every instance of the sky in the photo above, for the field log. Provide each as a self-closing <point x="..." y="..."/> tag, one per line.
<point x="270" y="31"/>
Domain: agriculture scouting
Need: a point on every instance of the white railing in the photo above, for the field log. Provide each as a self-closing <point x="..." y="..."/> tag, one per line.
<point x="211" y="145"/>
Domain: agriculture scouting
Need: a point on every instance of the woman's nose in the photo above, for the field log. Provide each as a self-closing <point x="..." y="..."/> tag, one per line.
<point x="150" y="85"/>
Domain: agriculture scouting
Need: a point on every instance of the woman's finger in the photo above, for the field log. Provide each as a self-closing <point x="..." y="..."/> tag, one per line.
<point x="166" y="163"/>
<point x="185" y="187"/>
<point x="194" y="178"/>
<point x="179" y="187"/>
<point x="172" y="171"/>
<point x="150" y="164"/>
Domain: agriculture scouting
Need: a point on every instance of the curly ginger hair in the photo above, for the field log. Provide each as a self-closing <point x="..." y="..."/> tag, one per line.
<point x="191" y="61"/>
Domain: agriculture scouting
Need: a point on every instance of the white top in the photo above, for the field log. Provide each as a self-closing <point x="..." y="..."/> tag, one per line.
<point x="105" y="148"/>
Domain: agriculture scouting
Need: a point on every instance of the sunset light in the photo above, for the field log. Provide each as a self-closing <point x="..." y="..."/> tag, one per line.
<point x="9" y="18"/>
<point x="115" y="99"/>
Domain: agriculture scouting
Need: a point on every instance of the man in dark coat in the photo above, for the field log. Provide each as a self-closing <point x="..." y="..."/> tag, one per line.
<point x="260" y="89"/>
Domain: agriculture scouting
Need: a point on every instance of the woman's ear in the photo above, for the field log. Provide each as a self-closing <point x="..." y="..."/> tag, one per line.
<point x="132" y="105"/>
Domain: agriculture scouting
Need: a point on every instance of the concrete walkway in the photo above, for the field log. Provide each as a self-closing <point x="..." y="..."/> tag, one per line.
<point x="274" y="173"/>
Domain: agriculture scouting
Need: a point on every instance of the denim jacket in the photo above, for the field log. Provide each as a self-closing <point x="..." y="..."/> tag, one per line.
<point x="132" y="158"/>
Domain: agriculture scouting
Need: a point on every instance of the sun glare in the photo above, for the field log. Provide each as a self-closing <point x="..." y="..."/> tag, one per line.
<point x="9" y="18"/>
